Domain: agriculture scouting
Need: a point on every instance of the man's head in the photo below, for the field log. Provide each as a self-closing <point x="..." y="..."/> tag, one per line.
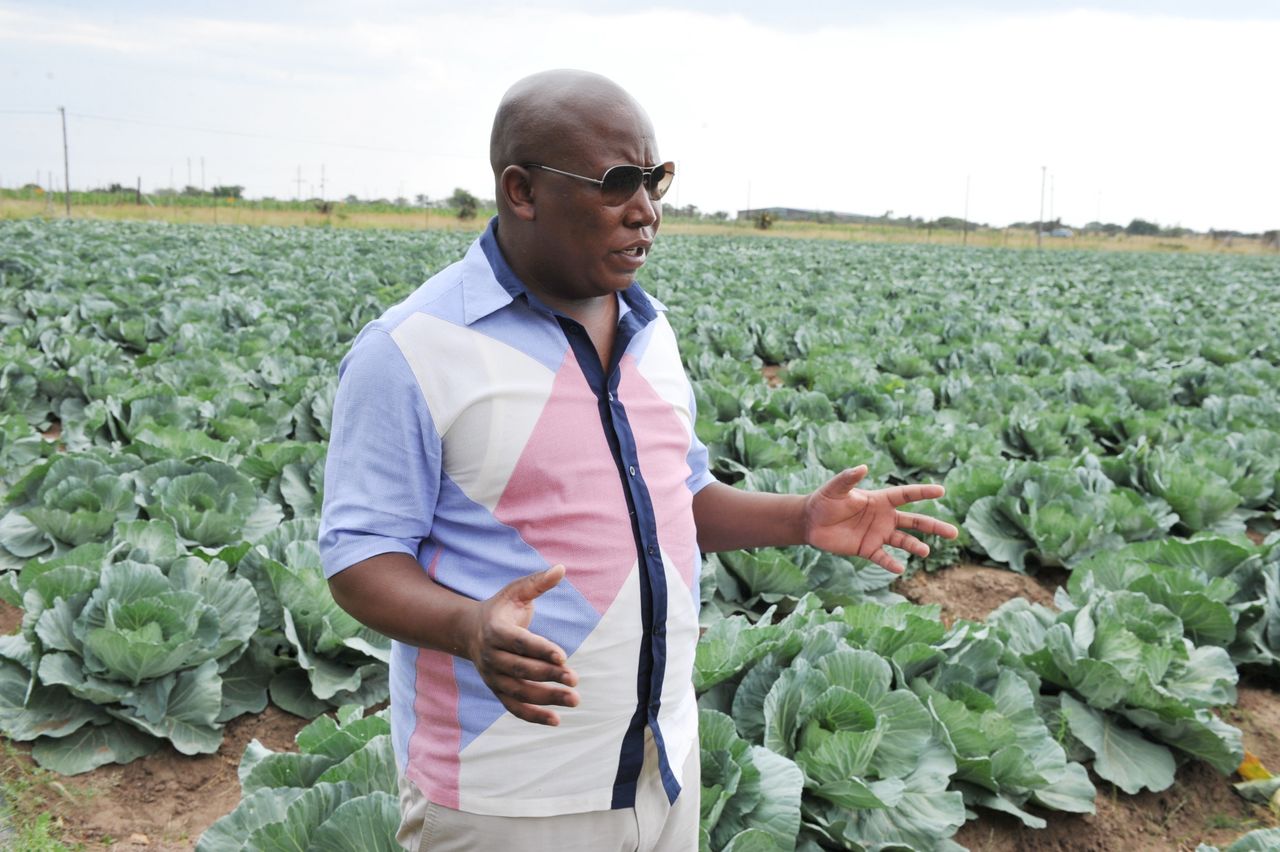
<point x="557" y="231"/>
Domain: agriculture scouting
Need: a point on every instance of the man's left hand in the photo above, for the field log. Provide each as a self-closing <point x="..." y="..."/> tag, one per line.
<point x="853" y="522"/>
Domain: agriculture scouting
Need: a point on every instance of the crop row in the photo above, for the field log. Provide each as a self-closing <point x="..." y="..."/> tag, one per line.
<point x="165" y="402"/>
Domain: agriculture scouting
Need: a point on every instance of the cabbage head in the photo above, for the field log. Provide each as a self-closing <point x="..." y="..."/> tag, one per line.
<point x="66" y="502"/>
<point x="115" y="657"/>
<point x="209" y="502"/>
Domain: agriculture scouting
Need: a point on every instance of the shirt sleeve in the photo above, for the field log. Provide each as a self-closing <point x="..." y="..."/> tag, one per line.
<point x="699" y="470"/>
<point x="382" y="473"/>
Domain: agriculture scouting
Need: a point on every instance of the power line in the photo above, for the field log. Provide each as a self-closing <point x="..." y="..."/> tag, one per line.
<point x="250" y="135"/>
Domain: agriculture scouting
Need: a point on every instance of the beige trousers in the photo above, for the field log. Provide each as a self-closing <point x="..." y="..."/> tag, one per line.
<point x="653" y="825"/>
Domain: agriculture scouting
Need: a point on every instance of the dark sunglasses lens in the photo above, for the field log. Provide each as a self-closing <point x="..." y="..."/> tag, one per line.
<point x="660" y="180"/>
<point x="620" y="183"/>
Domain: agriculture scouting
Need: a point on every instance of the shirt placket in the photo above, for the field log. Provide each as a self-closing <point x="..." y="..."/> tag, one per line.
<point x="622" y="443"/>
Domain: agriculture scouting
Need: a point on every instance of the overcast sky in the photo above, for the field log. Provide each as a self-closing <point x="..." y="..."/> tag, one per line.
<point x="1168" y="110"/>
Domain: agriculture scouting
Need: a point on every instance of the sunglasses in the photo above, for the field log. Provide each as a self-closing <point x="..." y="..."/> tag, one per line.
<point x="620" y="183"/>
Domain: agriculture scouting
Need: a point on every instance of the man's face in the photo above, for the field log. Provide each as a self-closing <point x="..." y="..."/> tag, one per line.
<point x="585" y="248"/>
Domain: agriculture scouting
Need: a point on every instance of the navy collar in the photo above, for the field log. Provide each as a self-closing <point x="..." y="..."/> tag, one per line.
<point x="482" y="298"/>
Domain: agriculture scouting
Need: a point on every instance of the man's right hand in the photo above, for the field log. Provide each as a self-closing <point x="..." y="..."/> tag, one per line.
<point x="525" y="671"/>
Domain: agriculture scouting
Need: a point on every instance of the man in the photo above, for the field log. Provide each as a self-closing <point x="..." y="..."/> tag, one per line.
<point x="515" y="494"/>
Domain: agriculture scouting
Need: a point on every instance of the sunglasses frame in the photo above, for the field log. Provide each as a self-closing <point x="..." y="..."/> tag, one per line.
<point x="656" y="190"/>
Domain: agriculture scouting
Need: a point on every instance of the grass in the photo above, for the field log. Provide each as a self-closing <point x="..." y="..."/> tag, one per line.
<point x="28" y="820"/>
<point x="1221" y="822"/>
<point x="246" y="214"/>
<point x="416" y="219"/>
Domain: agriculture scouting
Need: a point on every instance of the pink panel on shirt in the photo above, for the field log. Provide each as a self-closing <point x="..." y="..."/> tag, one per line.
<point x="663" y="445"/>
<point x="564" y="496"/>
<point x="437" y="738"/>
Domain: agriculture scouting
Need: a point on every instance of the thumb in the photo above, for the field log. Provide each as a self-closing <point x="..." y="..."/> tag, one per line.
<point x="844" y="481"/>
<point x="535" y="585"/>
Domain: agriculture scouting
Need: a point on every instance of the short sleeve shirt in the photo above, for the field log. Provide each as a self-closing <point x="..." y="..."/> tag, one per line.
<point x="477" y="431"/>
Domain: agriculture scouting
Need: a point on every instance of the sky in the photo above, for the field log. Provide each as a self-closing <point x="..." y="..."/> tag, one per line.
<point x="1167" y="111"/>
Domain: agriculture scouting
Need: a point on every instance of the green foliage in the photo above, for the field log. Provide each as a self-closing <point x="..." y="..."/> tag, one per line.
<point x="332" y="794"/>
<point x="165" y="395"/>
<point x="1142" y="228"/>
<point x="117" y="655"/>
<point x="1127" y="670"/>
<point x="465" y="203"/>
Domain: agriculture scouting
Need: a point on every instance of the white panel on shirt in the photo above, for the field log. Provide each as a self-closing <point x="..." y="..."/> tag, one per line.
<point x="534" y="770"/>
<point x="678" y="716"/>
<point x="486" y="399"/>
<point x="661" y="368"/>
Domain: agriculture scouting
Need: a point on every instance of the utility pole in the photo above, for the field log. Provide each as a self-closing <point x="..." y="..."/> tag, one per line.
<point x="202" y="186"/>
<point x="298" y="194"/>
<point x="964" y="239"/>
<point x="1040" y="223"/>
<point x="66" y="161"/>
<point x="188" y="171"/>
<point x="322" y="181"/>
<point x="1051" y="185"/>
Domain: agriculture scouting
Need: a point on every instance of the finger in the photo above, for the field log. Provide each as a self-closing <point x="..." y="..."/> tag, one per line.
<point x="844" y="481"/>
<point x="528" y="692"/>
<point x="880" y="557"/>
<point x="909" y="543"/>
<point x="531" y="713"/>
<point x="926" y="525"/>
<point x="524" y="643"/>
<point x="525" y="668"/>
<point x="903" y="494"/>
<point x="532" y="586"/>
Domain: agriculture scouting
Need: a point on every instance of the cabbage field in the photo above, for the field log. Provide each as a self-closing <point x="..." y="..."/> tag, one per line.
<point x="1111" y="421"/>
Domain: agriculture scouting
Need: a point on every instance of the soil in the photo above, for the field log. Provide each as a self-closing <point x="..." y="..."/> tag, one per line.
<point x="973" y="591"/>
<point x="164" y="801"/>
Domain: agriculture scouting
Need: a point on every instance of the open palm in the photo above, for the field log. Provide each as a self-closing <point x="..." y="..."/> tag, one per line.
<point x="843" y="519"/>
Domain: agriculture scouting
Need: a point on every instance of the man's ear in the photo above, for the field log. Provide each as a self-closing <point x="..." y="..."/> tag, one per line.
<point x="518" y="191"/>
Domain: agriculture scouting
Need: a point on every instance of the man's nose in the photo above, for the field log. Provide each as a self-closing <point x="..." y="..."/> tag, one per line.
<point x="642" y="208"/>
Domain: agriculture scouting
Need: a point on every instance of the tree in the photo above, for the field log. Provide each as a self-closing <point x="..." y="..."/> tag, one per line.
<point x="1142" y="228"/>
<point x="236" y="192"/>
<point x="465" y="203"/>
<point x="421" y="199"/>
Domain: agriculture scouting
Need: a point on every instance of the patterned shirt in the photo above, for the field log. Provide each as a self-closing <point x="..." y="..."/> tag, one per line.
<point x="477" y="431"/>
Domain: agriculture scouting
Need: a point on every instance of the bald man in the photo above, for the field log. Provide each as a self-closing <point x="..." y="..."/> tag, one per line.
<point x="514" y="493"/>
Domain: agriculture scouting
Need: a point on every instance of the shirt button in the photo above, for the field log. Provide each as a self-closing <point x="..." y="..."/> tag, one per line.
<point x="632" y="470"/>
<point x="651" y="549"/>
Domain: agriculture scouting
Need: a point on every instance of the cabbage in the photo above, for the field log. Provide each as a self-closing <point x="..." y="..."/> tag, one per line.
<point x="116" y="656"/>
